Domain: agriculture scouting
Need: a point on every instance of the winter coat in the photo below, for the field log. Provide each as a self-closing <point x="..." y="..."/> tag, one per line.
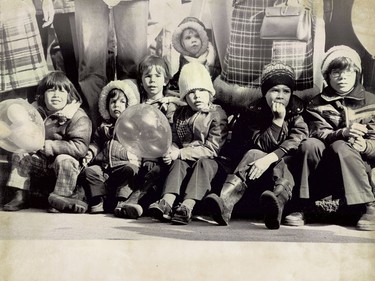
<point x="108" y="151"/>
<point x="254" y="129"/>
<point x="67" y="131"/>
<point x="329" y="113"/>
<point x="208" y="132"/>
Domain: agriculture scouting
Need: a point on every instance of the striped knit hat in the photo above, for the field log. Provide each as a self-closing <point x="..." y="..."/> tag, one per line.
<point x="338" y="52"/>
<point x="277" y="73"/>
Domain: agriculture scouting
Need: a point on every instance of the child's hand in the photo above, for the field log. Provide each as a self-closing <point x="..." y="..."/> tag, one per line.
<point x="355" y="131"/>
<point x="279" y="112"/>
<point x="172" y="154"/>
<point x="134" y="159"/>
<point x="86" y="160"/>
<point x="359" y="144"/>
<point x="259" y="166"/>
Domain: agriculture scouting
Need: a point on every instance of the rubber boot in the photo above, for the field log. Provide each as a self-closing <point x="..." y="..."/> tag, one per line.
<point x="220" y="208"/>
<point x="131" y="209"/>
<point x="18" y="202"/>
<point x="273" y="202"/>
<point x="367" y="220"/>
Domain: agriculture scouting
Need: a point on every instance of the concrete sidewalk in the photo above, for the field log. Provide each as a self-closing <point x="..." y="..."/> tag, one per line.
<point x="37" y="224"/>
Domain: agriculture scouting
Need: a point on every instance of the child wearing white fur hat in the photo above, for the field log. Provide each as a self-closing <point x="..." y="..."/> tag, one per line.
<point x="338" y="158"/>
<point x="199" y="131"/>
<point x="191" y="41"/>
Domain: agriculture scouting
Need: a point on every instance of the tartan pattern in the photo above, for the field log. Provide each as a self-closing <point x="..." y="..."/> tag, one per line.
<point x="25" y="166"/>
<point x="247" y="54"/>
<point x="22" y="63"/>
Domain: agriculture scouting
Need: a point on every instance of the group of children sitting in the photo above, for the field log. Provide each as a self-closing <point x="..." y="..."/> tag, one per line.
<point x="326" y="147"/>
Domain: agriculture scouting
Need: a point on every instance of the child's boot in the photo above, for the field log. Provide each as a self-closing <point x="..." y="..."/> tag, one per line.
<point x="18" y="202"/>
<point x="68" y="204"/>
<point x="131" y="209"/>
<point x="220" y="208"/>
<point x="273" y="202"/>
<point x="367" y="220"/>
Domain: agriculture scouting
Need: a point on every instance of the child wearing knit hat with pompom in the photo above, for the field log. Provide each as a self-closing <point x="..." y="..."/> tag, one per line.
<point x="263" y="140"/>
<point x="199" y="130"/>
<point x="341" y="151"/>
<point x="111" y="168"/>
<point x="191" y="41"/>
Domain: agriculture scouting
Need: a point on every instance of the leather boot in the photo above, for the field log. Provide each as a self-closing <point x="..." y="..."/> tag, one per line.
<point x="367" y="220"/>
<point x="220" y="208"/>
<point x="18" y="202"/>
<point x="273" y="202"/>
<point x="76" y="203"/>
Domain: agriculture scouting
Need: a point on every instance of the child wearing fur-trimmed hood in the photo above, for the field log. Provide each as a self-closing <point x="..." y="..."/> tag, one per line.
<point x="111" y="168"/>
<point x="191" y="41"/>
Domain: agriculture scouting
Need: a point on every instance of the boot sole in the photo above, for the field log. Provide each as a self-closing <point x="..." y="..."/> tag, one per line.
<point x="215" y="208"/>
<point x="67" y="205"/>
<point x="132" y="211"/>
<point x="270" y="206"/>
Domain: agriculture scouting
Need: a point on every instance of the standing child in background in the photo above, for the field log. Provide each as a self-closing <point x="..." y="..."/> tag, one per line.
<point x="153" y="76"/>
<point x="199" y="130"/>
<point x="67" y="136"/>
<point x="271" y="131"/>
<point x="341" y="150"/>
<point x="191" y="41"/>
<point x="111" y="168"/>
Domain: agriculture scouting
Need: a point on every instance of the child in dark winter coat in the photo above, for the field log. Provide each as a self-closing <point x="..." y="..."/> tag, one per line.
<point x="190" y="39"/>
<point x="153" y="76"/>
<point x="338" y="158"/>
<point x="270" y="131"/>
<point x="111" y="169"/>
<point x="67" y="136"/>
<point x="199" y="130"/>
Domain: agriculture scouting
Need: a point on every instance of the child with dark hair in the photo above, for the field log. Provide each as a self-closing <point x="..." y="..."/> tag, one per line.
<point x="199" y="131"/>
<point x="153" y="76"/>
<point x="111" y="169"/>
<point x="338" y="158"/>
<point x="67" y="136"/>
<point x="267" y="135"/>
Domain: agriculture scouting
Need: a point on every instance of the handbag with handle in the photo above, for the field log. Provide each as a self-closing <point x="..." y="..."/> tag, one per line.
<point x="286" y="23"/>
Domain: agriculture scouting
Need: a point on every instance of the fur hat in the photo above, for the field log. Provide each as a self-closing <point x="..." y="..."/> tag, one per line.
<point x="277" y="73"/>
<point x="198" y="26"/>
<point x="340" y="51"/>
<point x="128" y="86"/>
<point x="194" y="76"/>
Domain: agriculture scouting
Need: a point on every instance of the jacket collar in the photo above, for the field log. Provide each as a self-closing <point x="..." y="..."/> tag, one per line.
<point x="358" y="93"/>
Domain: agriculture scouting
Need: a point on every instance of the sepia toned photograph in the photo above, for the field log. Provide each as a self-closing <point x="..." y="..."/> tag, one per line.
<point x="187" y="140"/>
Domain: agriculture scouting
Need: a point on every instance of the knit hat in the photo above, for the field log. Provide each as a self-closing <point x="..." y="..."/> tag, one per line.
<point x="194" y="76"/>
<point x="198" y="26"/>
<point x="338" y="52"/>
<point x="128" y="86"/>
<point x="277" y="73"/>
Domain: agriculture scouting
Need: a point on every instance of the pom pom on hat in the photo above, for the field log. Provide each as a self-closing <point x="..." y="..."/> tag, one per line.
<point x="198" y="26"/>
<point x="128" y="86"/>
<point x="338" y="52"/>
<point x="194" y="76"/>
<point x="277" y="73"/>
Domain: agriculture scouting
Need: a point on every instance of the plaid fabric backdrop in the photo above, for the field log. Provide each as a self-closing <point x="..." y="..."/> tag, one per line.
<point x="22" y="63"/>
<point x="247" y="54"/>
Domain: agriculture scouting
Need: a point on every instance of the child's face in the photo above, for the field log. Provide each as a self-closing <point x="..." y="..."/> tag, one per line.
<point x="280" y="94"/>
<point x="153" y="82"/>
<point x="55" y="99"/>
<point x="198" y="99"/>
<point x="342" y="81"/>
<point x="191" y="41"/>
<point x="117" y="106"/>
